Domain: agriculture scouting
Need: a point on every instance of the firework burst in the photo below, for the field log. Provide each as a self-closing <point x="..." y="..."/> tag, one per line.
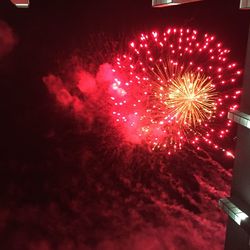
<point x="174" y="88"/>
<point x="191" y="98"/>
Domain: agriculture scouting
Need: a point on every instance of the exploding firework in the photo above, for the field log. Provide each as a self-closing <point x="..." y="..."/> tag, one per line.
<point x="192" y="99"/>
<point x="174" y="88"/>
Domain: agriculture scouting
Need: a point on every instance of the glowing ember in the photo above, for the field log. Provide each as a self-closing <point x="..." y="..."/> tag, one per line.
<point x="173" y="88"/>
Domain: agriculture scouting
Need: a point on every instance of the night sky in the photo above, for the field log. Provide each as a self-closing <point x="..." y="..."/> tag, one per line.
<point x="67" y="182"/>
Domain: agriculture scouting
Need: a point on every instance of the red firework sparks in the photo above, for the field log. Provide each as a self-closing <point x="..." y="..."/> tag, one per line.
<point x="173" y="88"/>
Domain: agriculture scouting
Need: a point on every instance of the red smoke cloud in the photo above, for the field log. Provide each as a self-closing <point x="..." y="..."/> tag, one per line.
<point x="85" y="94"/>
<point x="92" y="87"/>
<point x="56" y="87"/>
<point x="86" y="82"/>
<point x="7" y="39"/>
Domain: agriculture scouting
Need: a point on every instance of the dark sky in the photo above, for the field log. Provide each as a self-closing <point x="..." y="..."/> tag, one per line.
<point x="61" y="25"/>
<point x="56" y="188"/>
